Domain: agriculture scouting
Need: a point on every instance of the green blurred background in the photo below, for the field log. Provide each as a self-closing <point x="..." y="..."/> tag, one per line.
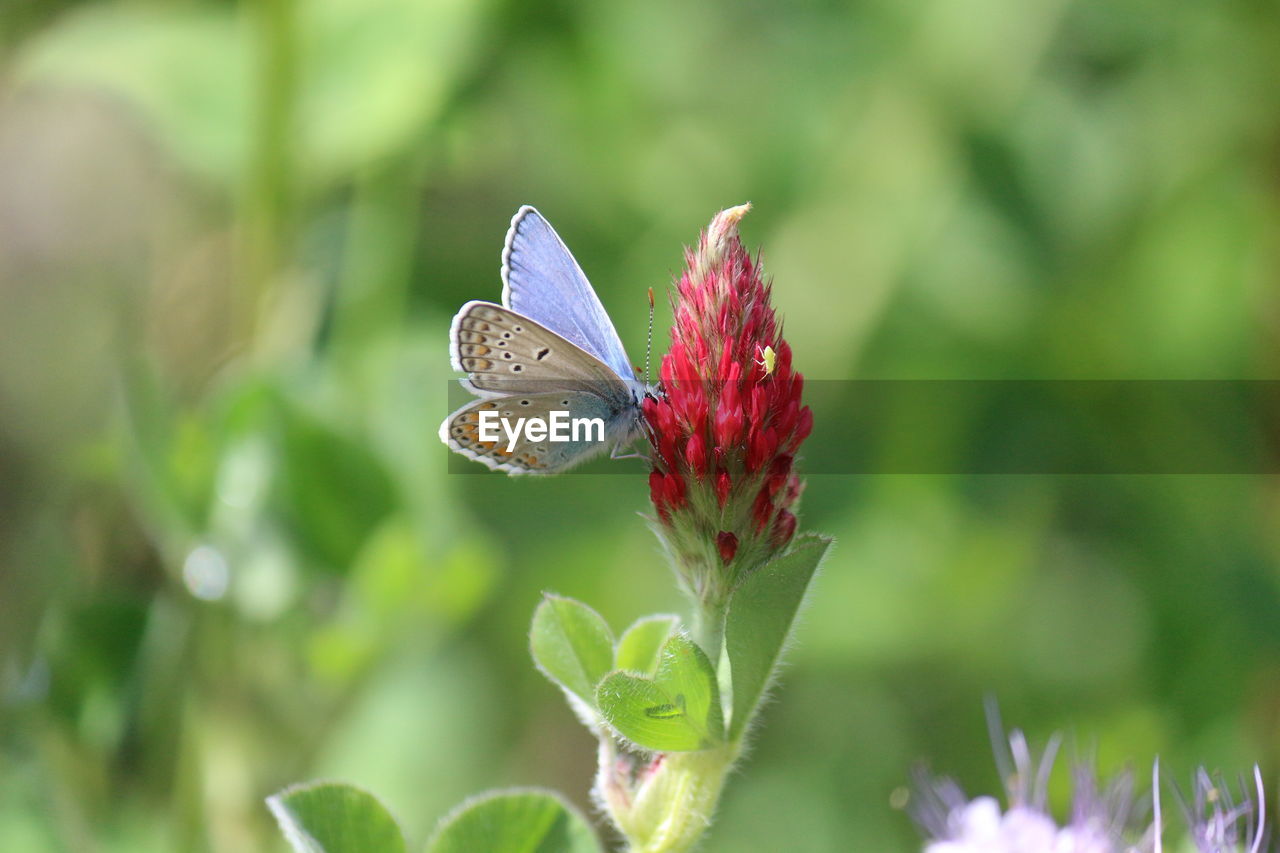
<point x="231" y="239"/>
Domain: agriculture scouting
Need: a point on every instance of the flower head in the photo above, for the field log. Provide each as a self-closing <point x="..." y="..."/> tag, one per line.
<point x="1221" y="823"/>
<point x="1103" y="820"/>
<point x="727" y="419"/>
<point x="1099" y="817"/>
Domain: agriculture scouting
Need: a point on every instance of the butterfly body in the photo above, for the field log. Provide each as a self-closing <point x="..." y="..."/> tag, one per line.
<point x="548" y="348"/>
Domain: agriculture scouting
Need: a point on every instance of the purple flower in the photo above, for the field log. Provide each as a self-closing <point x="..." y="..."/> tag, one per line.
<point x="1218" y="821"/>
<point x="1103" y="819"/>
<point x="1099" y="822"/>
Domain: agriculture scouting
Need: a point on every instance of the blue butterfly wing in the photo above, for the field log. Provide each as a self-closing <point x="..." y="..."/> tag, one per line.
<point x="542" y="281"/>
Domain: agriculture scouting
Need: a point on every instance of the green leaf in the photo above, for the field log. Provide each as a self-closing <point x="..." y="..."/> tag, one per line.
<point x="640" y="644"/>
<point x="333" y="490"/>
<point x="522" y="820"/>
<point x="572" y="645"/>
<point x="330" y="817"/>
<point x="761" y="612"/>
<point x="677" y="710"/>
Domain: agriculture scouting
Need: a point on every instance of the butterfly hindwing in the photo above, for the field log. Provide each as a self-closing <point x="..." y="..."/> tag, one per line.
<point x="462" y="431"/>
<point x="542" y="281"/>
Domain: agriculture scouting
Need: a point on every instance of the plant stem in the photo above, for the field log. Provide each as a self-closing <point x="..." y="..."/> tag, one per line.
<point x="680" y="800"/>
<point x="708" y="627"/>
<point x="379" y="252"/>
<point x="269" y="198"/>
<point x="672" y="809"/>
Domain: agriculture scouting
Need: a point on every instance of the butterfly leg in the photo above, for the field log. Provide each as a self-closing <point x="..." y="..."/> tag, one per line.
<point x="616" y="453"/>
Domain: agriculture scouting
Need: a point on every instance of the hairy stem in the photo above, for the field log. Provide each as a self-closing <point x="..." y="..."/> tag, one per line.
<point x="708" y="627"/>
<point x="674" y="808"/>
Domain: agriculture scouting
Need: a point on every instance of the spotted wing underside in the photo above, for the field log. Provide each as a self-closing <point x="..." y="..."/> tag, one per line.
<point x="507" y="353"/>
<point x="461" y="431"/>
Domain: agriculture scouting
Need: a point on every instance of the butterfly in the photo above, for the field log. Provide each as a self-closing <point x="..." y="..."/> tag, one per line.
<point x="548" y="349"/>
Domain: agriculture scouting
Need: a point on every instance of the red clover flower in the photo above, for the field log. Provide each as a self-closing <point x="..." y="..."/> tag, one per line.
<point x="726" y="421"/>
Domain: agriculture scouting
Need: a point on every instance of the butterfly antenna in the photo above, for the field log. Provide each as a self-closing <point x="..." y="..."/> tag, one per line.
<point x="648" y="345"/>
